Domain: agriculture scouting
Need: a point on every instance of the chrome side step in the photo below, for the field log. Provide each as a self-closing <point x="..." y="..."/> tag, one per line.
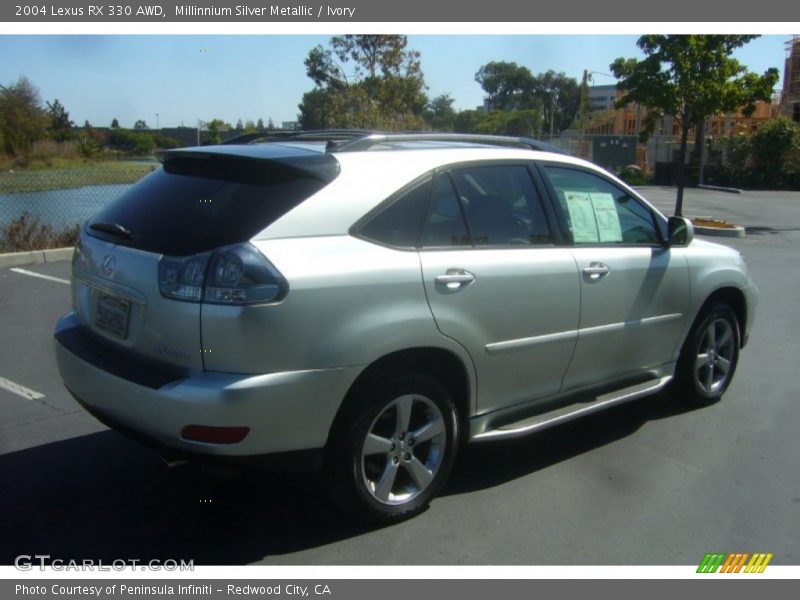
<point x="569" y="413"/>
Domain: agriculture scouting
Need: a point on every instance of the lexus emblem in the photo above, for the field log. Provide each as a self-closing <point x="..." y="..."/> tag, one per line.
<point x="108" y="266"/>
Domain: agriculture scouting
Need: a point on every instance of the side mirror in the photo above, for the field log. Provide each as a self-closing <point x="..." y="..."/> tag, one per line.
<point x="680" y="231"/>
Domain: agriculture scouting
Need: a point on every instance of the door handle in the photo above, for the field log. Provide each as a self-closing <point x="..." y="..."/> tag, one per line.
<point x="455" y="279"/>
<point x="596" y="270"/>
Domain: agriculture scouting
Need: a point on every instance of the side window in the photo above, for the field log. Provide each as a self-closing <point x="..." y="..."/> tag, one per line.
<point x="398" y="224"/>
<point x="501" y="205"/>
<point x="445" y="225"/>
<point x="598" y="212"/>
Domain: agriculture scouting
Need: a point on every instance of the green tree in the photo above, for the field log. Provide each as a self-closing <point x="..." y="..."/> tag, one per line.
<point x="215" y="129"/>
<point x="60" y="123"/>
<point x="519" y="123"/>
<point x="260" y="124"/>
<point x="22" y="119"/>
<point x="365" y="81"/>
<point x="560" y="98"/>
<point x="270" y="125"/>
<point x="511" y="87"/>
<point x="466" y="120"/>
<point x="114" y="123"/>
<point x="508" y="85"/>
<point x="690" y="77"/>
<point x="440" y="113"/>
<point x="240" y="125"/>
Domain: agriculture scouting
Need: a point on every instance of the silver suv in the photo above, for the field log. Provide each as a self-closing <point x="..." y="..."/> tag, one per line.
<point x="372" y="302"/>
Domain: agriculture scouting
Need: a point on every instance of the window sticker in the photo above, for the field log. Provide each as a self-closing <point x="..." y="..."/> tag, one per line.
<point x="594" y="217"/>
<point x="605" y="211"/>
<point x="581" y="214"/>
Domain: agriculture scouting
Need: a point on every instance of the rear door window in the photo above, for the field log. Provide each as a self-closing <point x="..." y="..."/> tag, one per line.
<point x="445" y="225"/>
<point x="501" y="205"/>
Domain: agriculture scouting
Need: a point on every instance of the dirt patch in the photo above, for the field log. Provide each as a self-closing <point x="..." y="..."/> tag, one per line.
<point x="709" y="222"/>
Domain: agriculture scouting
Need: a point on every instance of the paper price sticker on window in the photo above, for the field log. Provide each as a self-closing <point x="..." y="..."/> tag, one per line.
<point x="581" y="216"/>
<point x="593" y="217"/>
<point x="605" y="211"/>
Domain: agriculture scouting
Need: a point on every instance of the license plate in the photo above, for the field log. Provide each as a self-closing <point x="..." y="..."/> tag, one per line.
<point x="112" y="315"/>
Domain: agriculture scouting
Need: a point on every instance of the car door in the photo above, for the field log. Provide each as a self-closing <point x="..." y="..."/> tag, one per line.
<point x="497" y="283"/>
<point x="634" y="288"/>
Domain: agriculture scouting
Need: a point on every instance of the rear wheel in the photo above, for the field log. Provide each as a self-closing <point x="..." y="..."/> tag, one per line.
<point x="393" y="447"/>
<point x="709" y="357"/>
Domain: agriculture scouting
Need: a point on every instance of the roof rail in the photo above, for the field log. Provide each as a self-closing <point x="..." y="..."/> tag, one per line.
<point x="282" y="135"/>
<point x="358" y="140"/>
<point x="365" y="142"/>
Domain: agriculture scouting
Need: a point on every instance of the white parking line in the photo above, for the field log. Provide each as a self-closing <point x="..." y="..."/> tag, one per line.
<point x="39" y="275"/>
<point x="19" y="390"/>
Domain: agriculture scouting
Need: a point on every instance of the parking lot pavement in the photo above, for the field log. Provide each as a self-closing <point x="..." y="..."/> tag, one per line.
<point x="647" y="483"/>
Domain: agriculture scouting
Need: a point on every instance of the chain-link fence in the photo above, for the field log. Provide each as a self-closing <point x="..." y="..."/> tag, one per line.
<point x="43" y="208"/>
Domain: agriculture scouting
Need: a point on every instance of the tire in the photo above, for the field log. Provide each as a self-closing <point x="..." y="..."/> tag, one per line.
<point x="392" y="448"/>
<point x="708" y="358"/>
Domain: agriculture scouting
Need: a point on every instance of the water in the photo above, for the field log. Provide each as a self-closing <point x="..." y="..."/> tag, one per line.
<point x="59" y="208"/>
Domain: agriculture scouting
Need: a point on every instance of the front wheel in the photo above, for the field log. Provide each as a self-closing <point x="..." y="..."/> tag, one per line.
<point x="393" y="448"/>
<point x="709" y="357"/>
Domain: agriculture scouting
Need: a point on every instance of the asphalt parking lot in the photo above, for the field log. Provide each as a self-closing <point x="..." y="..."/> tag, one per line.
<point x="649" y="483"/>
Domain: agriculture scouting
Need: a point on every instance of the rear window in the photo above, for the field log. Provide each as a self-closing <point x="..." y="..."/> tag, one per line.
<point x="198" y="203"/>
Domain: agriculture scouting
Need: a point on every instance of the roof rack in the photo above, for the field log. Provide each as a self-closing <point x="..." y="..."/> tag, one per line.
<point x="359" y="140"/>
<point x="366" y="142"/>
<point x="282" y="135"/>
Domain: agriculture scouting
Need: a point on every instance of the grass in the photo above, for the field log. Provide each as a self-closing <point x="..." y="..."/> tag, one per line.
<point x="65" y="173"/>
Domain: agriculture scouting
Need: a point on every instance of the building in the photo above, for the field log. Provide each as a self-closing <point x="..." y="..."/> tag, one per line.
<point x="790" y="97"/>
<point x="602" y="97"/>
<point x="629" y="120"/>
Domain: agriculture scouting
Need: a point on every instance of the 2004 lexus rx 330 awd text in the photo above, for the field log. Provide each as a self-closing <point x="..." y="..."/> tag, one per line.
<point x="375" y="301"/>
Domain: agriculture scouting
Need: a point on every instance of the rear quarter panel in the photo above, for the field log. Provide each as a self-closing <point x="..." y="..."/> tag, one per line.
<point x="350" y="302"/>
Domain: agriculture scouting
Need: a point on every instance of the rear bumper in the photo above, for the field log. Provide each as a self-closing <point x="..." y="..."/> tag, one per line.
<point x="286" y="412"/>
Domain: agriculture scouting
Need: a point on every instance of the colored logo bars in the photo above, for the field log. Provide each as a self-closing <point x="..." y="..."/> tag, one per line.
<point x="735" y="562"/>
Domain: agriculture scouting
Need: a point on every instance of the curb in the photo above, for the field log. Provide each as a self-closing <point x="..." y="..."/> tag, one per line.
<point x="35" y="257"/>
<point x="719" y="188"/>
<point x="737" y="232"/>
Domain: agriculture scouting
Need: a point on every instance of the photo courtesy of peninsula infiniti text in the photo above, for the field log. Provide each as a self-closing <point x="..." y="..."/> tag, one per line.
<point x="366" y="303"/>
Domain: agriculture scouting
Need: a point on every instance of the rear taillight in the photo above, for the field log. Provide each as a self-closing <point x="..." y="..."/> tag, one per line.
<point x="235" y="275"/>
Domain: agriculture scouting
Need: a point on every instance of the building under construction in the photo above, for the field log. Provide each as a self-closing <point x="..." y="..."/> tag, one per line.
<point x="790" y="98"/>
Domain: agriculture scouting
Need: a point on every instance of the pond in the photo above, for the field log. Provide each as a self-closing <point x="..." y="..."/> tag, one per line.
<point x="59" y="208"/>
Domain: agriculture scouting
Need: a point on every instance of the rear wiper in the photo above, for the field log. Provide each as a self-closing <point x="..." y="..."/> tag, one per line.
<point x="112" y="228"/>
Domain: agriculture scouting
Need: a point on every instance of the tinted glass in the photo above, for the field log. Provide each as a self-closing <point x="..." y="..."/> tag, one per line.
<point x="445" y="225"/>
<point x="501" y="205"/>
<point x="600" y="212"/>
<point x="398" y="224"/>
<point x="194" y="205"/>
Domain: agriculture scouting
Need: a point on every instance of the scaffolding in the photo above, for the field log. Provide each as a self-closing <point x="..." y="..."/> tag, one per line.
<point x="790" y="98"/>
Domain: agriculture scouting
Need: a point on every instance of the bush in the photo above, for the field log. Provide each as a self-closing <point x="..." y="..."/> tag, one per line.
<point x="46" y="150"/>
<point x="28" y="233"/>
<point x="769" y="158"/>
<point x="776" y="153"/>
<point x="632" y="175"/>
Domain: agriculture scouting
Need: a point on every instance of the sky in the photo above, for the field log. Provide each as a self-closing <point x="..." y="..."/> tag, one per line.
<point x="186" y="78"/>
